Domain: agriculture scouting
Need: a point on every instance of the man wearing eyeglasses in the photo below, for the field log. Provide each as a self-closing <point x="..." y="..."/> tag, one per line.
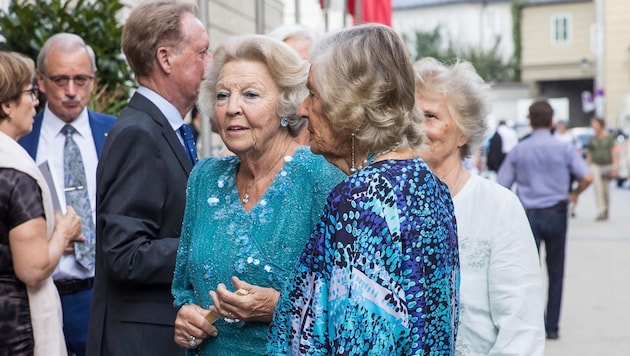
<point x="63" y="133"/>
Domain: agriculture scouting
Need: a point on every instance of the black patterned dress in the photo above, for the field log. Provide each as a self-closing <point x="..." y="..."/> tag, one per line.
<point x="20" y="201"/>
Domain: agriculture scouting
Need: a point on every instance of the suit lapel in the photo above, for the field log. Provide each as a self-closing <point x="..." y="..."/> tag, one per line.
<point x="144" y="104"/>
<point x="99" y="133"/>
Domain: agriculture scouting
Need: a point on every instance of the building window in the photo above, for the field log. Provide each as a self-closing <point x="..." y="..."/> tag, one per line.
<point x="561" y="28"/>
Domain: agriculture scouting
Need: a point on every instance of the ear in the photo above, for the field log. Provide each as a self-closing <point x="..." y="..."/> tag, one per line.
<point x="7" y="108"/>
<point x="462" y="140"/>
<point x="163" y="57"/>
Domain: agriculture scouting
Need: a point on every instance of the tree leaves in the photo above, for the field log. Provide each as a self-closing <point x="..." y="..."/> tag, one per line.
<point x="29" y="23"/>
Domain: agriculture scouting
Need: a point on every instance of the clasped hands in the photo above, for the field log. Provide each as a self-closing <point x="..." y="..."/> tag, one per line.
<point x="253" y="304"/>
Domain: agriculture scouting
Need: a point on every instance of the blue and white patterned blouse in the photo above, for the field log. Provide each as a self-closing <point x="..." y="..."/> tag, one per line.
<point x="220" y="239"/>
<point x="379" y="275"/>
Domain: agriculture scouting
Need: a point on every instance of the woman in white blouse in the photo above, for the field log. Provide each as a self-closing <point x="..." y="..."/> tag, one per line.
<point x="501" y="298"/>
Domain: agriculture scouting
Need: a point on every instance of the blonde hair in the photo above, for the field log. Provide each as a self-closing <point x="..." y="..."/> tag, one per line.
<point x="366" y="83"/>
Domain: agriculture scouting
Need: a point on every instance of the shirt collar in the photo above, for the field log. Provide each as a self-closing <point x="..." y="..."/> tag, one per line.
<point x="81" y="123"/>
<point x="173" y="116"/>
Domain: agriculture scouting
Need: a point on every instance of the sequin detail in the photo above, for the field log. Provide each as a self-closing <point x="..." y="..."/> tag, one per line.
<point x="220" y="239"/>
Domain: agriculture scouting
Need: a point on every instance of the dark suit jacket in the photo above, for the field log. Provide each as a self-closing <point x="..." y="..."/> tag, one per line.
<point x="141" y="193"/>
<point x="99" y="123"/>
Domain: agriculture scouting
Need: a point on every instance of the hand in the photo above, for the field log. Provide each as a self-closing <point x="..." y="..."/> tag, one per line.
<point x="191" y="326"/>
<point x="257" y="305"/>
<point x="613" y="172"/>
<point x="573" y="197"/>
<point x="68" y="225"/>
<point x="70" y="246"/>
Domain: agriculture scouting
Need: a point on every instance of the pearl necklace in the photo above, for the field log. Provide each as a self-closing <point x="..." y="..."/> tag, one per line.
<point x="371" y="157"/>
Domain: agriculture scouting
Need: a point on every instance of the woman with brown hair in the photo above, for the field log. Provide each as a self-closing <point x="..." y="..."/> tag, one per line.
<point x="31" y="243"/>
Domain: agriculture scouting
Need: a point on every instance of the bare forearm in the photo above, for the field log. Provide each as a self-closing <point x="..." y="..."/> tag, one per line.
<point x="583" y="184"/>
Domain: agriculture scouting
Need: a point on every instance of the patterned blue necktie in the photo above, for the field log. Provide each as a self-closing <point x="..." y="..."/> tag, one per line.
<point x="189" y="143"/>
<point x="76" y="191"/>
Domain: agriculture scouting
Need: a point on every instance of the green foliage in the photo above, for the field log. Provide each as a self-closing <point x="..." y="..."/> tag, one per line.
<point x="429" y="44"/>
<point x="489" y="64"/>
<point x="516" y="36"/>
<point x="29" y="23"/>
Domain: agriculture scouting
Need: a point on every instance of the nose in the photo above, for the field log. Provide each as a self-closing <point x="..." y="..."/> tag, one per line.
<point x="301" y="110"/>
<point x="71" y="89"/>
<point x="234" y="105"/>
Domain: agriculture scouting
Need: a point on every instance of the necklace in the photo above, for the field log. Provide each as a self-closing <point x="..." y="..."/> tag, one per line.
<point x="459" y="180"/>
<point x="371" y="157"/>
<point x="245" y="199"/>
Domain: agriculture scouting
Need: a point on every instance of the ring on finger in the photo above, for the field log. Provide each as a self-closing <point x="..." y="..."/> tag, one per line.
<point x="230" y="314"/>
<point x="192" y="341"/>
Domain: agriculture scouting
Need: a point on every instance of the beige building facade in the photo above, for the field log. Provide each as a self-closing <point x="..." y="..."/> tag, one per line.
<point x="579" y="49"/>
<point x="225" y="18"/>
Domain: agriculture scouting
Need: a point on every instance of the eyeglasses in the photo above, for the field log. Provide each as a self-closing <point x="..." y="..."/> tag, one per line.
<point x="34" y="91"/>
<point x="62" y="80"/>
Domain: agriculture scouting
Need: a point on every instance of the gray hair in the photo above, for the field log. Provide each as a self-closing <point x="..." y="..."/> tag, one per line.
<point x="285" y="32"/>
<point x="466" y="97"/>
<point x="65" y="42"/>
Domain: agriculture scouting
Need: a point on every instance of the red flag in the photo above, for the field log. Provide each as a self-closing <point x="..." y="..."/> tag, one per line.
<point x="379" y="11"/>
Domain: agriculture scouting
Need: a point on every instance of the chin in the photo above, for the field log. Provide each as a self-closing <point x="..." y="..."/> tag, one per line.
<point x="315" y="149"/>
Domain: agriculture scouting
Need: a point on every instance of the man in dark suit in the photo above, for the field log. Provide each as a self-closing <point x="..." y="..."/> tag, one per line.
<point x="66" y="69"/>
<point x="141" y="184"/>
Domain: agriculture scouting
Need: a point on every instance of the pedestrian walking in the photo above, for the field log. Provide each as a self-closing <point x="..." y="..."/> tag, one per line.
<point x="542" y="166"/>
<point x="603" y="162"/>
<point x="501" y="143"/>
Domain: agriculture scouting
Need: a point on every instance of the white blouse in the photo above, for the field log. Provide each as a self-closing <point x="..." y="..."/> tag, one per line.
<point x="501" y="306"/>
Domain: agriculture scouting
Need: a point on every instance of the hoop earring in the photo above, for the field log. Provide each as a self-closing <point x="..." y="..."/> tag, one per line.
<point x="284" y="122"/>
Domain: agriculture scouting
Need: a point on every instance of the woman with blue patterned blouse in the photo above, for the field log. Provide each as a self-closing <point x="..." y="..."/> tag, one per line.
<point x="379" y="274"/>
<point x="248" y="215"/>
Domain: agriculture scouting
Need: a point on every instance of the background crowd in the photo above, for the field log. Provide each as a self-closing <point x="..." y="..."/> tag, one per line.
<point x="339" y="219"/>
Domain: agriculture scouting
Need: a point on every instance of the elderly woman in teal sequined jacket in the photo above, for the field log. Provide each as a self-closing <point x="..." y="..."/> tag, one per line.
<point x="247" y="215"/>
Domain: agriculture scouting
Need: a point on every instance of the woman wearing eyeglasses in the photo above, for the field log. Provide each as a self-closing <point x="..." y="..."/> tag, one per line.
<point x="31" y="241"/>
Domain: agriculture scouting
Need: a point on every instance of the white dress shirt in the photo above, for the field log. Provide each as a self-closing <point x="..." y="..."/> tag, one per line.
<point x="173" y="116"/>
<point x="50" y="148"/>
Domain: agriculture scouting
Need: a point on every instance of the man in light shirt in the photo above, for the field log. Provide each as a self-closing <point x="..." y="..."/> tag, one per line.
<point x="66" y="69"/>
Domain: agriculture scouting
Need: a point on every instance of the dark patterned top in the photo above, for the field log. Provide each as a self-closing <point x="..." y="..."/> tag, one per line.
<point x="380" y="273"/>
<point x="20" y="201"/>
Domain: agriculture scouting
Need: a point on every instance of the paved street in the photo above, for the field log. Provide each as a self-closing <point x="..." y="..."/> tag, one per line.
<point x="595" y="318"/>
